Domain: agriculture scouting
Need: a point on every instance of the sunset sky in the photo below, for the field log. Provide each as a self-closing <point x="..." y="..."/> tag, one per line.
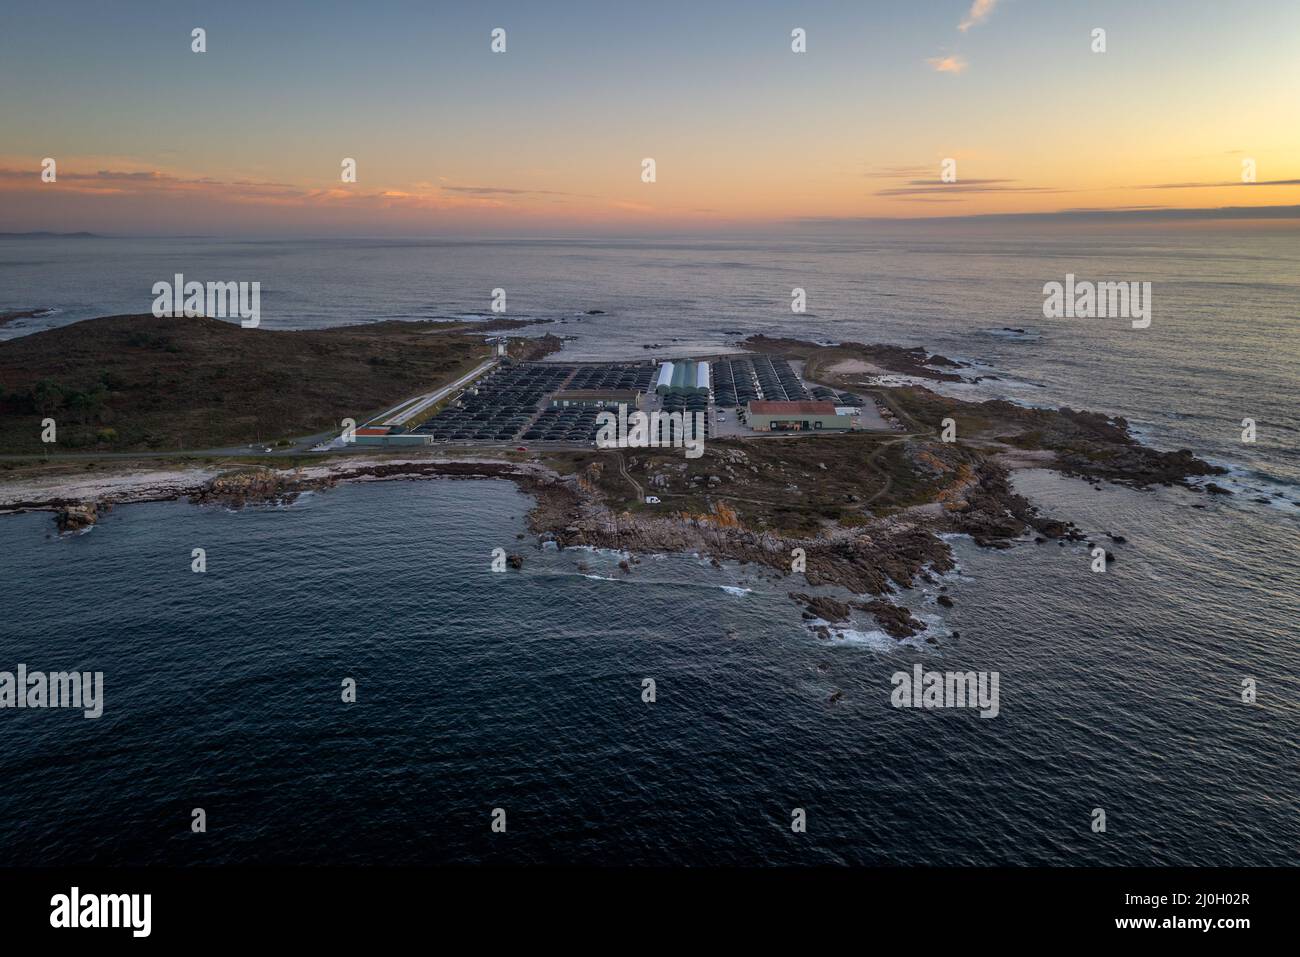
<point x="549" y="136"/>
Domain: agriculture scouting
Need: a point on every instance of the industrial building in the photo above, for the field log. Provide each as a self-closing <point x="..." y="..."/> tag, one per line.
<point x="795" y="416"/>
<point x="389" y="435"/>
<point x="683" y="378"/>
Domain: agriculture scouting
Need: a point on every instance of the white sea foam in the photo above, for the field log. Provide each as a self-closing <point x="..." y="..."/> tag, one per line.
<point x="874" y="639"/>
<point x="1248" y="484"/>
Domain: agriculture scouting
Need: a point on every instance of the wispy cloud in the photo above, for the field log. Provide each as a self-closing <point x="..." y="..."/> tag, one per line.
<point x="979" y="11"/>
<point x="632" y="207"/>
<point x="155" y="183"/>
<point x="503" y="191"/>
<point x="936" y="187"/>
<point x="896" y="172"/>
<point x="1221" y="184"/>
<point x="947" y="64"/>
<point x="1086" y="214"/>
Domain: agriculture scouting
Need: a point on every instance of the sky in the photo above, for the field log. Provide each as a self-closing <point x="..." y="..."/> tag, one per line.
<point x="549" y="136"/>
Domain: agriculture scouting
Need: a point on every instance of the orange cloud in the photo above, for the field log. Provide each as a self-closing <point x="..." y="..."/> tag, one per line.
<point x="980" y="11"/>
<point x="142" y="183"/>
<point x="947" y="64"/>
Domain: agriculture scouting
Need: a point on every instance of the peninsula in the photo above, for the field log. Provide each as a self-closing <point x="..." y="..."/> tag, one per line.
<point x="864" y="508"/>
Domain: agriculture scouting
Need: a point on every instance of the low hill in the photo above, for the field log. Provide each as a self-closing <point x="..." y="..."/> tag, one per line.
<point x="136" y="383"/>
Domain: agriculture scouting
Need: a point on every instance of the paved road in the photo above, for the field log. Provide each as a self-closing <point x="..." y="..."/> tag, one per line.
<point x="299" y="446"/>
<point x="411" y="407"/>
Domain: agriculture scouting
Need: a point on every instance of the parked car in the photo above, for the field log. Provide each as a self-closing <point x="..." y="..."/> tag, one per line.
<point x="652" y="499"/>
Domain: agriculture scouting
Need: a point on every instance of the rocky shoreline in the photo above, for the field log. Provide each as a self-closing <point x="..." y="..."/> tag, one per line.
<point x="871" y="523"/>
<point x="570" y="511"/>
<point x="14" y="315"/>
<point x="873" y="562"/>
<point x="876" y="560"/>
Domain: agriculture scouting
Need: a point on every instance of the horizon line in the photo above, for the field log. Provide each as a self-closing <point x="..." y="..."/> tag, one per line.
<point x="1125" y="215"/>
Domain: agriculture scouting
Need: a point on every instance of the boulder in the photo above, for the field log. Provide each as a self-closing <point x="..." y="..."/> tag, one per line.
<point x="73" y="518"/>
<point x="822" y="606"/>
<point x="895" y="620"/>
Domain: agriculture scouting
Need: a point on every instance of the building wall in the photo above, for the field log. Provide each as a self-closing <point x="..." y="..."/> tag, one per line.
<point x="406" y="438"/>
<point x="763" y="423"/>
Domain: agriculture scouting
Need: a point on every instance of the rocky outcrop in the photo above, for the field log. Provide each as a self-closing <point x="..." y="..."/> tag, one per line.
<point x="870" y="560"/>
<point x="267" y="486"/>
<point x="994" y="515"/>
<point x="16" y="314"/>
<point x="897" y="621"/>
<point x="823" y="607"/>
<point x="74" y="518"/>
<point x="261" y="486"/>
<point x="873" y="560"/>
<point x="891" y="553"/>
<point x="1094" y="446"/>
<point x="900" y="359"/>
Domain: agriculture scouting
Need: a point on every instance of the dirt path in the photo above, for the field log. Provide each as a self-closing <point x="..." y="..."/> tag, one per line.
<point x="871" y="464"/>
<point x="915" y="433"/>
<point x="622" y="470"/>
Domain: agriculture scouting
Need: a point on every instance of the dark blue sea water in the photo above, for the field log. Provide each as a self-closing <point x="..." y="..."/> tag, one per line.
<point x="522" y="690"/>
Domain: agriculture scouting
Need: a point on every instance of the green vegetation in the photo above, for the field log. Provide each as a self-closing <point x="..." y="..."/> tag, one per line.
<point x="137" y="383"/>
<point x="793" y="486"/>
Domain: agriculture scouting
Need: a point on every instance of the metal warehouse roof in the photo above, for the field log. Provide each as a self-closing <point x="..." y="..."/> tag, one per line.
<point x="791" y="408"/>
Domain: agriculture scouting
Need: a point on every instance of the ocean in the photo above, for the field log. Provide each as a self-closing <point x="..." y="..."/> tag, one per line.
<point x="523" y="691"/>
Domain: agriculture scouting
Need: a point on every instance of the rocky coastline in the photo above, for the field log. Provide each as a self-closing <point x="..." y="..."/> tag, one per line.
<point x="872" y="561"/>
<point x="871" y="524"/>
